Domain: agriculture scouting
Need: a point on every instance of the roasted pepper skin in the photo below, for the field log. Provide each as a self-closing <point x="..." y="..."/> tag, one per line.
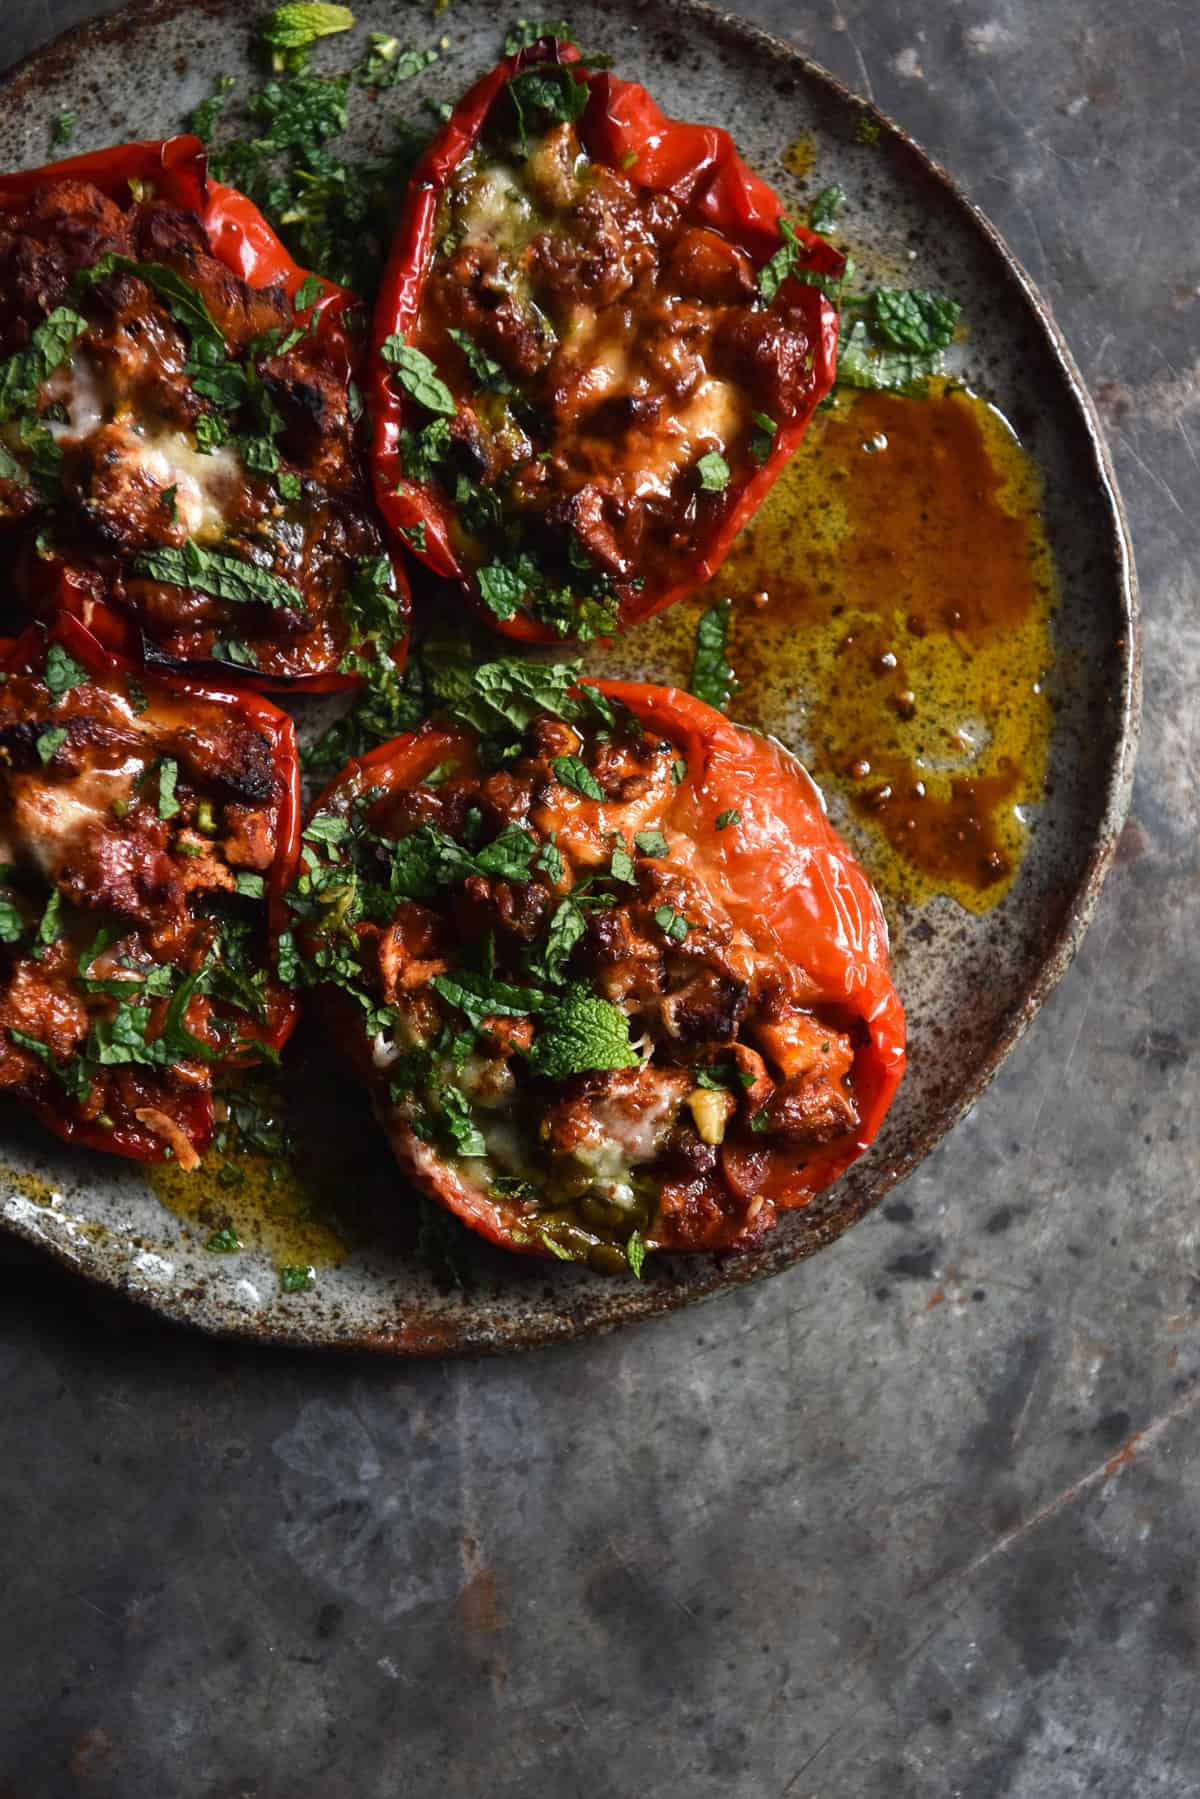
<point x="176" y="169"/>
<point x="788" y="880"/>
<point x="699" y="167"/>
<point x="27" y="653"/>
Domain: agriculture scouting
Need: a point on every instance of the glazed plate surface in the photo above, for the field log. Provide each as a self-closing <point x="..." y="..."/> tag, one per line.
<point x="970" y="981"/>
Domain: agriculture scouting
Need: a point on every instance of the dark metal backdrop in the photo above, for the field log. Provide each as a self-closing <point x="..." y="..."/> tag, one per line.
<point x="915" y="1518"/>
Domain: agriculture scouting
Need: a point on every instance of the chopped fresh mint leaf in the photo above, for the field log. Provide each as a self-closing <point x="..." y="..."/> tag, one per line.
<point x="672" y="922"/>
<point x="73" y="1075"/>
<point x="621" y="867"/>
<point x="308" y="293"/>
<point x="914" y="318"/>
<point x="22" y="374"/>
<point x="580" y="1034"/>
<point x="775" y="272"/>
<point x="224" y="577"/>
<point x="502" y="696"/>
<point x="204" y="117"/>
<point x="713" y="471"/>
<point x="504" y="585"/>
<point x="546" y="95"/>
<point x="299" y="23"/>
<point x="62" y="671"/>
<point x="528" y="31"/>
<point x="386" y="64"/>
<point x="509" y="855"/>
<point x="566" y="928"/>
<point x="185" y="303"/>
<point x="12" y="925"/>
<point x="479" y="996"/>
<point x="650" y="843"/>
<point x="862" y="363"/>
<point x="576" y="775"/>
<point x="418" y="376"/>
<point x="50" y="742"/>
<point x="485" y="371"/>
<point x="51" y="927"/>
<point x="239" y="654"/>
<point x="762" y="437"/>
<point x="732" y="817"/>
<point x="712" y="679"/>
<point x="249" y="884"/>
<point x="168" y="774"/>
<point x="825" y="208"/>
<point x="459" y="1124"/>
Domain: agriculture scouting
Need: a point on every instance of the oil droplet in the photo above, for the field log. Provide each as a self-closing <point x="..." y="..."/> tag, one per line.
<point x="800" y="157"/>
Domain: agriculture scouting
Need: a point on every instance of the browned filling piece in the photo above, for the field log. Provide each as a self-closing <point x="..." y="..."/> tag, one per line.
<point x="120" y="453"/>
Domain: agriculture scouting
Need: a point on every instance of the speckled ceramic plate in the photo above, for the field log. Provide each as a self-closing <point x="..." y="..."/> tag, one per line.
<point x="971" y="982"/>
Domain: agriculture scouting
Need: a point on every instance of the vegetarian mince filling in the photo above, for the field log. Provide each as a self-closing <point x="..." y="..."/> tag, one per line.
<point x="594" y="375"/>
<point x="536" y="970"/>
<point x="176" y="442"/>
<point x="139" y="828"/>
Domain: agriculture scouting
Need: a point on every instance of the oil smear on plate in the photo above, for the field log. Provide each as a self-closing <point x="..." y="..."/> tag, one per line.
<point x="891" y="622"/>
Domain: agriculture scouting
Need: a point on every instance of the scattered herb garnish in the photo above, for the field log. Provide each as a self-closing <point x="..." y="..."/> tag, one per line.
<point x="825" y="208"/>
<point x="22" y="374"/>
<point x="575" y="774"/>
<point x="297" y="1280"/>
<point x="417" y="375"/>
<point x="224" y="577"/>
<point x="712" y="679"/>
<point x="528" y="31"/>
<point x="713" y="471"/>
<point x="292" y="29"/>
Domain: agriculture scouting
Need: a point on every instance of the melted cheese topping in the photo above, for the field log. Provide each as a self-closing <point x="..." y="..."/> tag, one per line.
<point x="48" y="822"/>
<point x="166" y="457"/>
<point x="494" y="208"/>
<point x="202" y="482"/>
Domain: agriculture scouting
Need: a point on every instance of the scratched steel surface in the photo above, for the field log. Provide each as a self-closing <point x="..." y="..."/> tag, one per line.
<point x="916" y="1518"/>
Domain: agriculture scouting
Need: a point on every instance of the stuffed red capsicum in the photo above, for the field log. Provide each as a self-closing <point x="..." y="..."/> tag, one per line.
<point x="613" y="981"/>
<point x="177" y="429"/>
<point x="148" y="830"/>
<point x="596" y="346"/>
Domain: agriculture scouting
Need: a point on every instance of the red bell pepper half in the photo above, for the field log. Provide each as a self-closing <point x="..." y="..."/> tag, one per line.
<point x="151" y="830"/>
<point x="739" y="937"/>
<point x="174" y="171"/>
<point x="718" y="227"/>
